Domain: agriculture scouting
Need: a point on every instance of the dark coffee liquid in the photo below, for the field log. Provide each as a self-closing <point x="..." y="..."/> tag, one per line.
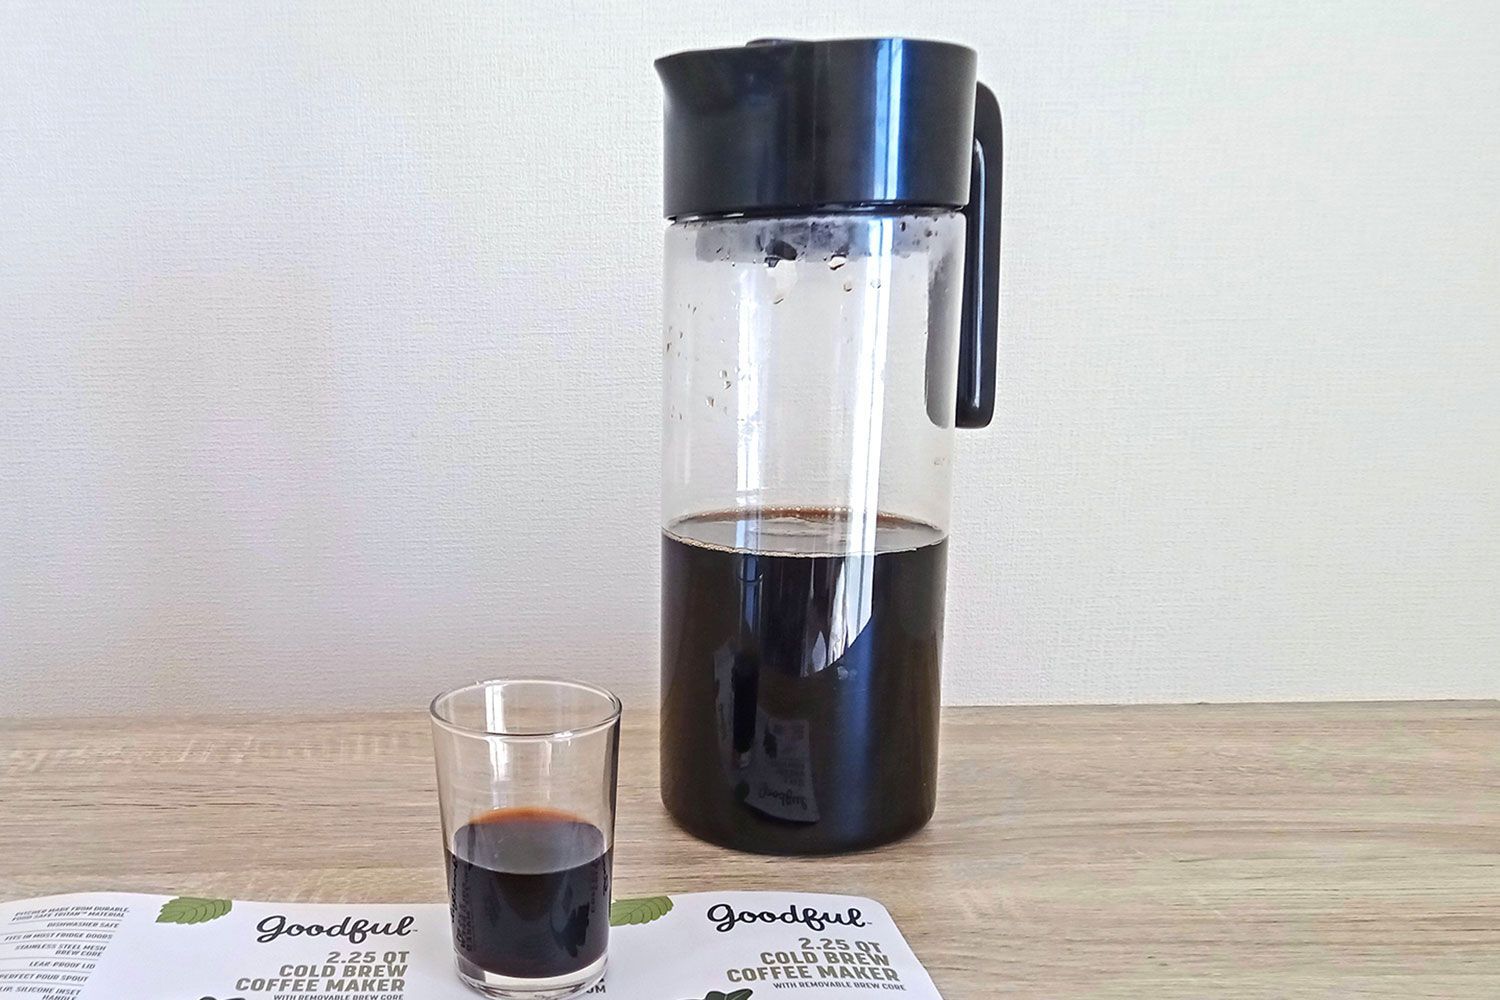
<point x="528" y="890"/>
<point x="800" y="684"/>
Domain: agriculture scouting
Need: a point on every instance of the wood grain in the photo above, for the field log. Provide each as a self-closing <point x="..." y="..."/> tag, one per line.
<point x="1192" y="851"/>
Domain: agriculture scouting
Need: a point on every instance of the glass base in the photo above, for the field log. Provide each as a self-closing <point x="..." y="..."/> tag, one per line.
<point x="493" y="984"/>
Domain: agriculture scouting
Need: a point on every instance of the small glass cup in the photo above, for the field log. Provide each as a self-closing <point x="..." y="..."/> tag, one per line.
<point x="526" y="775"/>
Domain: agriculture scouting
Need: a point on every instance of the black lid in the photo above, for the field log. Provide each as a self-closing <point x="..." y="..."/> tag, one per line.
<point x="781" y="125"/>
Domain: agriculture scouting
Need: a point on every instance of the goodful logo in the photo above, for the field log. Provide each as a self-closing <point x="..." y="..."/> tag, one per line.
<point x="725" y="917"/>
<point x="352" y="929"/>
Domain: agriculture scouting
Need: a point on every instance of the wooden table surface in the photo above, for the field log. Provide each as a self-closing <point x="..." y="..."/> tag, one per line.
<point x="1192" y="851"/>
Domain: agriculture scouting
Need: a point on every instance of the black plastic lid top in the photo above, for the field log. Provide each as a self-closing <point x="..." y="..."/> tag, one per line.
<point x="782" y="125"/>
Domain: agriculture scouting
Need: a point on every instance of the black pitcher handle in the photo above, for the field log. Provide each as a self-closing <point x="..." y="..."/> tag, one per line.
<point x="977" y="336"/>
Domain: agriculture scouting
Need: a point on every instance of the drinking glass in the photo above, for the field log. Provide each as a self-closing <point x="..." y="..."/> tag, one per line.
<point x="526" y="775"/>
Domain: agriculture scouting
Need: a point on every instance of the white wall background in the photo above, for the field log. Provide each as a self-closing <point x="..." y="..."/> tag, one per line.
<point x="328" y="349"/>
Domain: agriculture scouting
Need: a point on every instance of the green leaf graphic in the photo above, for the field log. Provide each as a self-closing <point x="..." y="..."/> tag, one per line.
<point x="739" y="995"/>
<point x="192" y="910"/>
<point x="639" y="911"/>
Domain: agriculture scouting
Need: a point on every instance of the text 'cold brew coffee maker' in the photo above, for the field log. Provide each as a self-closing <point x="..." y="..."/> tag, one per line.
<point x="830" y="306"/>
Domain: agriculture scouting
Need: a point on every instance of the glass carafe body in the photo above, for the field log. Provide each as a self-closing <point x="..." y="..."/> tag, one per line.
<point x="808" y="417"/>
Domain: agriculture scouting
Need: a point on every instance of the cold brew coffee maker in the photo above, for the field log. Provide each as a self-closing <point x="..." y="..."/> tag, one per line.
<point x="830" y="307"/>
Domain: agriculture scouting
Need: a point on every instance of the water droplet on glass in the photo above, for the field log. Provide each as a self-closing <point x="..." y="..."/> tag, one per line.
<point x="848" y="286"/>
<point x="837" y="261"/>
<point x="710" y="401"/>
<point x="723" y="373"/>
<point x="778" y="299"/>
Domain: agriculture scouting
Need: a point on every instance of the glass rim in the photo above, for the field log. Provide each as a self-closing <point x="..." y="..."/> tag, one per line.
<point x="610" y="718"/>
